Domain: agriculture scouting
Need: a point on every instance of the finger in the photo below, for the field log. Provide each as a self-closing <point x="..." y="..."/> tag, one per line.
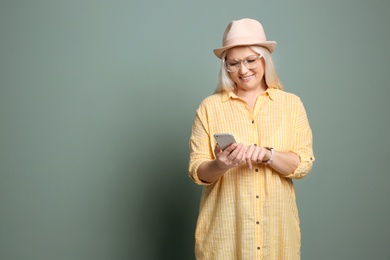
<point x="256" y="154"/>
<point x="248" y="156"/>
<point x="261" y="155"/>
<point x="249" y="151"/>
<point x="217" y="149"/>
<point x="249" y="163"/>
<point x="245" y="149"/>
<point x="230" y="148"/>
<point x="240" y="156"/>
<point x="235" y="152"/>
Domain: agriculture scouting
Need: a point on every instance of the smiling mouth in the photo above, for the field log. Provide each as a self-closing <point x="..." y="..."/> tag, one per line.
<point x="246" y="78"/>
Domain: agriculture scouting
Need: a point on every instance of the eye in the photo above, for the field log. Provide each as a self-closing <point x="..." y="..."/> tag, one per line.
<point x="232" y="62"/>
<point x="251" y="59"/>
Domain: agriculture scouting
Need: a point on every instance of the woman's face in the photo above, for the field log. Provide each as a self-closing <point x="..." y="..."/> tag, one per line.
<point x="247" y="79"/>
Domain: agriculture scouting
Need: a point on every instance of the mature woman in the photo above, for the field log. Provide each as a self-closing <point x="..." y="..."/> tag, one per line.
<point x="248" y="208"/>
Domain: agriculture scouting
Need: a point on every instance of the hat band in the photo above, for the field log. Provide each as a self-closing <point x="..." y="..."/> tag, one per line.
<point x="244" y="40"/>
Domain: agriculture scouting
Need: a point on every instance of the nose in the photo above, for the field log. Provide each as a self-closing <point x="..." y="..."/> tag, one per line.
<point x="243" y="69"/>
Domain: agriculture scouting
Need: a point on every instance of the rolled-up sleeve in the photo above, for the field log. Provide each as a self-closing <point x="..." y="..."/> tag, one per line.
<point x="200" y="146"/>
<point x="302" y="143"/>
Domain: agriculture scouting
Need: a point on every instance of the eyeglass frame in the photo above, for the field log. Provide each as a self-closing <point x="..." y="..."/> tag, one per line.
<point x="242" y="61"/>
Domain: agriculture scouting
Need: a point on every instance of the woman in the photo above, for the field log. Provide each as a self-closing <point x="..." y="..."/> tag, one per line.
<point x="248" y="208"/>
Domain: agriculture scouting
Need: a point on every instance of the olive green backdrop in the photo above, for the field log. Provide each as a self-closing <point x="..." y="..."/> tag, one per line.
<point x="97" y="100"/>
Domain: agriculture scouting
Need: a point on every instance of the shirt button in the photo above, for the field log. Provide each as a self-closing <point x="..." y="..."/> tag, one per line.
<point x="255" y="144"/>
<point x="256" y="170"/>
<point x="253" y="121"/>
<point x="257" y="196"/>
<point x="257" y="222"/>
<point x="258" y="248"/>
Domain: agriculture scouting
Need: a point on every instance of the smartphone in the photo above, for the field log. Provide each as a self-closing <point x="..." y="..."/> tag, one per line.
<point x="224" y="140"/>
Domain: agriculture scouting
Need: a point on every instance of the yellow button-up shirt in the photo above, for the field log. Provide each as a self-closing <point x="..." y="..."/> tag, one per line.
<point x="250" y="214"/>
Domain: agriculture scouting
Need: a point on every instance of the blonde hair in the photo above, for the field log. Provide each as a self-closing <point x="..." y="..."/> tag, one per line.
<point x="225" y="83"/>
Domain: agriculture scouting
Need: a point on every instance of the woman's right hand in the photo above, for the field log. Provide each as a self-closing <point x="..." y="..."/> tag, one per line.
<point x="231" y="157"/>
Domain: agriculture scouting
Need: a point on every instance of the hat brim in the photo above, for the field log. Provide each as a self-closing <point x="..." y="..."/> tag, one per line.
<point x="270" y="45"/>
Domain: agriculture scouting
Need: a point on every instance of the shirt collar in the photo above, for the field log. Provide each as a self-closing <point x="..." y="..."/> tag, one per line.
<point x="270" y="92"/>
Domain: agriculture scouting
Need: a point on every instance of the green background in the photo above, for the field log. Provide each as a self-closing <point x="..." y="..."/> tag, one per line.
<point x="97" y="100"/>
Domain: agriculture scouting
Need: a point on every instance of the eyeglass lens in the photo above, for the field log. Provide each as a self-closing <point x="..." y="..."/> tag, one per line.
<point x="233" y="65"/>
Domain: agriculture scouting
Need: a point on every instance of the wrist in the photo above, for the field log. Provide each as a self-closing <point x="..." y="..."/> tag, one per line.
<point x="271" y="157"/>
<point x="219" y="166"/>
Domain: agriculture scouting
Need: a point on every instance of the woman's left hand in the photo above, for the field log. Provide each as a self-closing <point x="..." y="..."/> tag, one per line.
<point x="256" y="154"/>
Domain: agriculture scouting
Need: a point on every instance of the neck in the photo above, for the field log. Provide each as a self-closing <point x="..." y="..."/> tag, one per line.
<point x="250" y="95"/>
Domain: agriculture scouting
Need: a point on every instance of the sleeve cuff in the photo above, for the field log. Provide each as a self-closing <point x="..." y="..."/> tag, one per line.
<point x="193" y="174"/>
<point x="303" y="168"/>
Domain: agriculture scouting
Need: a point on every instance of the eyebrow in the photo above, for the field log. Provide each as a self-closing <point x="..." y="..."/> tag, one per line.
<point x="242" y="58"/>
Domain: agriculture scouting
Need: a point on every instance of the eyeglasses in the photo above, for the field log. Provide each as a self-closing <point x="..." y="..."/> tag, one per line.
<point x="250" y="62"/>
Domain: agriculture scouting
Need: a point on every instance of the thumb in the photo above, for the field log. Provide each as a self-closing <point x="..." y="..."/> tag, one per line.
<point x="217" y="149"/>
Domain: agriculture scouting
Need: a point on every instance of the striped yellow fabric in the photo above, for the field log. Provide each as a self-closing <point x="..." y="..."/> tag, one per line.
<point x="250" y="214"/>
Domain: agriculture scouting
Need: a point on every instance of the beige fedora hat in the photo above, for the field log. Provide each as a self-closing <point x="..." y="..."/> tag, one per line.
<point x="244" y="32"/>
